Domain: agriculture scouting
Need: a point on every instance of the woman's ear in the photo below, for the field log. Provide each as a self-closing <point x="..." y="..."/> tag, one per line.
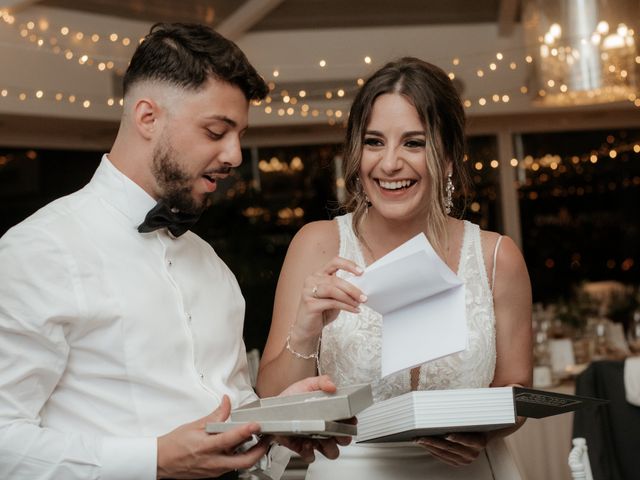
<point x="145" y="117"/>
<point x="449" y="169"/>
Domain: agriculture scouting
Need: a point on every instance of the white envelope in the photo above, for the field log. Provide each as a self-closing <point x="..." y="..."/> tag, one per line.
<point x="422" y="303"/>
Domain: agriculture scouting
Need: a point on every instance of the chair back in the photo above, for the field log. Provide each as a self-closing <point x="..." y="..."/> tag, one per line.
<point x="579" y="460"/>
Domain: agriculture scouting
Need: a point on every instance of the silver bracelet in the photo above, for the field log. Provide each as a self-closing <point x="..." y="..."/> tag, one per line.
<point x="314" y="355"/>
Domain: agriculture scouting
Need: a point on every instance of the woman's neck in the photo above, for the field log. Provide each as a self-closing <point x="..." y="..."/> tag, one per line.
<point x="380" y="235"/>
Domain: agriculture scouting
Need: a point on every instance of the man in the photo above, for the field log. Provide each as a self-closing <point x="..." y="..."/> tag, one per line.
<point x="118" y="327"/>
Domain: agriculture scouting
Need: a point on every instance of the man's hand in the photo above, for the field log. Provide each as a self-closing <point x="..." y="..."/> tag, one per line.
<point x="305" y="446"/>
<point x="190" y="452"/>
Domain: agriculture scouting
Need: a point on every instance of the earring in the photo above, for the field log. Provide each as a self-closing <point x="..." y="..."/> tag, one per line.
<point x="448" y="200"/>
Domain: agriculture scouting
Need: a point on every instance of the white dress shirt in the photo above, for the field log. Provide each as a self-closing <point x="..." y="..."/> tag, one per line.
<point x="108" y="337"/>
<point x="632" y="380"/>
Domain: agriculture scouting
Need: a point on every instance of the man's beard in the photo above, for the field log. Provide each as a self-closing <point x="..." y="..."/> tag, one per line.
<point x="174" y="182"/>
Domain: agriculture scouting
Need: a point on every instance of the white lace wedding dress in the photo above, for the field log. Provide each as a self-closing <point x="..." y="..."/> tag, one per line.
<point x="350" y="354"/>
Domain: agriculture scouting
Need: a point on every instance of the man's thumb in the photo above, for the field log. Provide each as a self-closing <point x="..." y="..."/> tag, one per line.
<point x="221" y="413"/>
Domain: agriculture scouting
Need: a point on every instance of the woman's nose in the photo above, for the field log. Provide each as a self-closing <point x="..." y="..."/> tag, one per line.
<point x="391" y="160"/>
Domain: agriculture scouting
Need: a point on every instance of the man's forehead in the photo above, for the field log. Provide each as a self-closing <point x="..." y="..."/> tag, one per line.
<point x="209" y="104"/>
<point x="222" y="101"/>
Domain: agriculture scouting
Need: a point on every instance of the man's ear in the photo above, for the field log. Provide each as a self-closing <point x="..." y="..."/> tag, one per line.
<point x="146" y="114"/>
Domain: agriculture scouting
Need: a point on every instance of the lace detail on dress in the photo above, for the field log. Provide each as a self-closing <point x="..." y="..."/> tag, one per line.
<point x="351" y="345"/>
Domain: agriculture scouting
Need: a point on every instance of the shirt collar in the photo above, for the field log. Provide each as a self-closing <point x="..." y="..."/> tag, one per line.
<point x="122" y="192"/>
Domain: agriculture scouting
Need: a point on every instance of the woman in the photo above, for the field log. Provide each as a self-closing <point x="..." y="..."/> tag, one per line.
<point x="404" y="151"/>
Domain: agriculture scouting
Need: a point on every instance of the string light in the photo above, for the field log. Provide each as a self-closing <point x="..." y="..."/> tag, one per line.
<point x="44" y="95"/>
<point x="33" y="31"/>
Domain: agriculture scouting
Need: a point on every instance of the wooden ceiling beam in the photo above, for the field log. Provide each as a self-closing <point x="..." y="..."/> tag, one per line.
<point x="507" y="12"/>
<point x="13" y="6"/>
<point x="245" y="17"/>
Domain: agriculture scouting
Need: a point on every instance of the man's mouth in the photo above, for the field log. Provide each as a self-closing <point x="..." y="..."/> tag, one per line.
<point x="211" y="182"/>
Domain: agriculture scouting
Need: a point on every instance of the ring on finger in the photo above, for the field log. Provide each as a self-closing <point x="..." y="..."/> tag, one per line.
<point x="314" y="291"/>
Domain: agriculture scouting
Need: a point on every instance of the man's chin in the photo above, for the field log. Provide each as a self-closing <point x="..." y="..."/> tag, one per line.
<point x="187" y="204"/>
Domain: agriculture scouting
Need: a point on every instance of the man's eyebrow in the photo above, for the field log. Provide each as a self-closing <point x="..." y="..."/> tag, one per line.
<point x="222" y="118"/>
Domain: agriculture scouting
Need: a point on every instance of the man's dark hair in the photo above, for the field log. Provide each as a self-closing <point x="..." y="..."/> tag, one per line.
<point x="186" y="55"/>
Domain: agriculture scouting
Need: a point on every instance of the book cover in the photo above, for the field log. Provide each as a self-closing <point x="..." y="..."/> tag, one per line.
<point x="304" y="428"/>
<point x="346" y="402"/>
<point x="313" y="414"/>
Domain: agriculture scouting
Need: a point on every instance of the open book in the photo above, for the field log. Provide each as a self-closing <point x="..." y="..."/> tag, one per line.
<point x="422" y="303"/>
<point x="438" y="412"/>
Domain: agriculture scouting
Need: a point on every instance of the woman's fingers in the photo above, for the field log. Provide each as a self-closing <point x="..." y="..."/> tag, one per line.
<point x="339" y="263"/>
<point x="337" y="289"/>
<point x="324" y="294"/>
<point x="330" y="308"/>
<point x="459" y="450"/>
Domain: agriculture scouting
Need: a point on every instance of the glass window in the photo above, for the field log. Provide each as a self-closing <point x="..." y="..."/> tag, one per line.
<point x="273" y="193"/>
<point x="579" y="195"/>
<point x="483" y="204"/>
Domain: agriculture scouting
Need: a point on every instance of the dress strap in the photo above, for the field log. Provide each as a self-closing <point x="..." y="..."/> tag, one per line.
<point x="495" y="258"/>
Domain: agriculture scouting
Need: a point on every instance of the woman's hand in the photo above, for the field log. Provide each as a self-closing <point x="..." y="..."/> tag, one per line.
<point x="305" y="447"/>
<point x="456" y="448"/>
<point x="324" y="294"/>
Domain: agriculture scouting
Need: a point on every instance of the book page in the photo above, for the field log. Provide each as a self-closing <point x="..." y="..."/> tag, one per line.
<point x="422" y="304"/>
<point x="407" y="274"/>
<point x="424" y="331"/>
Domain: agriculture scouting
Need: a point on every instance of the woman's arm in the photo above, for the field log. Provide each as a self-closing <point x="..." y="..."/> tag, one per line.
<point x="514" y="363"/>
<point x="308" y="296"/>
<point x="512" y="306"/>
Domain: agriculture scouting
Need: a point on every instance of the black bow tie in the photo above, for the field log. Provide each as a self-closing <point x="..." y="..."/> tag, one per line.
<point x="162" y="216"/>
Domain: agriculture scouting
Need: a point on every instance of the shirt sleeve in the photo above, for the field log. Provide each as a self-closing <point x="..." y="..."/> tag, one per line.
<point x="40" y="297"/>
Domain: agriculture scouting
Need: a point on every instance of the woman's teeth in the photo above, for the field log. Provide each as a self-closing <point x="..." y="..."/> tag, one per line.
<point x="395" y="185"/>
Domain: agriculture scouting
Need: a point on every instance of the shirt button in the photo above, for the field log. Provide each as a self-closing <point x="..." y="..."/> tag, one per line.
<point x="189" y="317"/>
<point x="201" y="376"/>
<point x="169" y="262"/>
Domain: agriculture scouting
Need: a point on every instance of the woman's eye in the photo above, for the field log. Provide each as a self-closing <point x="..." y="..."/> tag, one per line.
<point x="415" y="143"/>
<point x="372" y="142"/>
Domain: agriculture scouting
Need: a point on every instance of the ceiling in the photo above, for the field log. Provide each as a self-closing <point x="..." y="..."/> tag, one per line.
<point x="298" y="14"/>
<point x="285" y="40"/>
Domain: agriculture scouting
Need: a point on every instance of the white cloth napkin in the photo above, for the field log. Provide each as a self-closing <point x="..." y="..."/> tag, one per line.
<point x="632" y="380"/>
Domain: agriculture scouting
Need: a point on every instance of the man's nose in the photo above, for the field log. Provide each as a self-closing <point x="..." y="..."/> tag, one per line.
<point x="231" y="154"/>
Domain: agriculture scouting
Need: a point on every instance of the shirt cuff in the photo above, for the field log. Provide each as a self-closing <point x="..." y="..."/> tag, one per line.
<point x="275" y="461"/>
<point x="129" y="458"/>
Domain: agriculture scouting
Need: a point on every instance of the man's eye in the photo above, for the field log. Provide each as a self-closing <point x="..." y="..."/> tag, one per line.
<point x="214" y="135"/>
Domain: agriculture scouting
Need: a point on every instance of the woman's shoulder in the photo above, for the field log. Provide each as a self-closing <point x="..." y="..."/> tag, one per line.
<point x="319" y="238"/>
<point x="489" y="239"/>
<point x="502" y="250"/>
